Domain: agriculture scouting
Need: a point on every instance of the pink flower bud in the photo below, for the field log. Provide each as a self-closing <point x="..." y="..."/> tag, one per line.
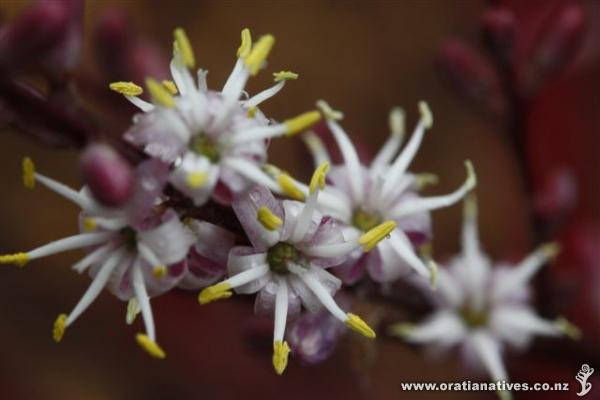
<point x="37" y="31"/>
<point x="108" y="176"/>
<point x="122" y="54"/>
<point x="557" y="196"/>
<point x="500" y="32"/>
<point x="471" y="76"/>
<point x="555" y="47"/>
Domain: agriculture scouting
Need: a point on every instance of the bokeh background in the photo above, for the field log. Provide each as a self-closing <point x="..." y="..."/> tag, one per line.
<point x="363" y="57"/>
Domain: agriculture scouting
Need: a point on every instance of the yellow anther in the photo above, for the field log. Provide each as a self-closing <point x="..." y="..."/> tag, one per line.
<point x="251" y="113"/>
<point x="269" y="220"/>
<point x="355" y="323"/>
<point x="159" y="271"/>
<point x="402" y="330"/>
<point x="426" y="250"/>
<point x="126" y="88"/>
<point x="470" y="206"/>
<point x="423" y="180"/>
<point x="18" y="259"/>
<point x="284" y="76"/>
<point x="89" y="224"/>
<point x="170" y="86"/>
<point x="426" y="115"/>
<point x="329" y="112"/>
<point x="246" y="46"/>
<point x="182" y="44"/>
<point x="28" y="173"/>
<point x="550" y="250"/>
<point x="150" y="346"/>
<point x="471" y="181"/>
<point x="196" y="180"/>
<point x="396" y="121"/>
<point x="504" y="395"/>
<point x="433" y="274"/>
<point x="289" y="187"/>
<point x="370" y="239"/>
<point x="281" y="350"/>
<point x="133" y="309"/>
<point x="60" y="325"/>
<point x="160" y="95"/>
<point x="302" y="122"/>
<point x="215" y="292"/>
<point x="318" y="178"/>
<point x="272" y="170"/>
<point x="259" y="53"/>
<point x="567" y="328"/>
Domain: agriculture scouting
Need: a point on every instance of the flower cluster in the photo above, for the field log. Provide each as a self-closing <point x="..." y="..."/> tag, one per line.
<point x="480" y="305"/>
<point x="207" y="146"/>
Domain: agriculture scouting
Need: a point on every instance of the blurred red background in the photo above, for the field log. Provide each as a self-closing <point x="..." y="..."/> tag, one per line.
<point x="363" y="58"/>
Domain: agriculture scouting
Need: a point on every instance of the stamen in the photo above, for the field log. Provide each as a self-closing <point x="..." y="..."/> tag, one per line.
<point x="425" y="179"/>
<point x="433" y="274"/>
<point x="281" y="350"/>
<point x="246" y="46"/>
<point x="98" y="283"/>
<point x="92" y="257"/>
<point x="396" y="120"/>
<point x="318" y="178"/>
<point x="426" y="115"/>
<point x="126" y="88"/>
<point x="215" y="292"/>
<point x="28" y="173"/>
<point x="150" y="346"/>
<point x="568" y="329"/>
<point x="284" y="76"/>
<point x="159" y="94"/>
<point x="159" y="271"/>
<point x="170" y="86"/>
<point x="402" y="330"/>
<point x="550" y="250"/>
<point x="58" y="331"/>
<point x="251" y="113"/>
<point x="432" y="203"/>
<point x="133" y="309"/>
<point x="251" y="171"/>
<point x="254" y="60"/>
<point x="18" y="259"/>
<point x="370" y="239"/>
<point x="328" y="112"/>
<point x="355" y="323"/>
<point x="302" y="122"/>
<point x="526" y="269"/>
<point x="89" y="224"/>
<point x="185" y="48"/>
<point x="289" y="187"/>
<point x="269" y="220"/>
<point x="196" y="180"/>
<point x="316" y="147"/>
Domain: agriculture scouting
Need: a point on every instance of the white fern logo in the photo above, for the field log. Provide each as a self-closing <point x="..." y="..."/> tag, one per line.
<point x="582" y="377"/>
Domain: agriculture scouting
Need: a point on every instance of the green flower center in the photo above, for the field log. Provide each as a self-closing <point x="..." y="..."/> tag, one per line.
<point x="365" y="221"/>
<point x="279" y="255"/>
<point x="202" y="145"/>
<point x="474" y="318"/>
<point x="130" y="236"/>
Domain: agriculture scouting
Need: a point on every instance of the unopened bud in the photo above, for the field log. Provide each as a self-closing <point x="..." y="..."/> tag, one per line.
<point x="555" y="48"/>
<point x="122" y="54"/>
<point x="107" y="174"/>
<point x="37" y="31"/>
<point x="471" y="76"/>
<point x="500" y="32"/>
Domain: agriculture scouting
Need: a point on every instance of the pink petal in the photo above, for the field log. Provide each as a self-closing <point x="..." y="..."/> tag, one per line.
<point x="246" y="208"/>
